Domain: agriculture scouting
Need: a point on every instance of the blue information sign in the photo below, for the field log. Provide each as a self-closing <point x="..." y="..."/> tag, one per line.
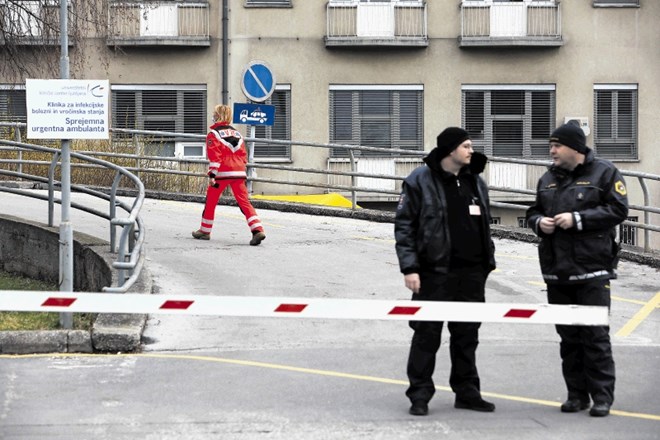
<point x="258" y="81"/>
<point x="254" y="114"/>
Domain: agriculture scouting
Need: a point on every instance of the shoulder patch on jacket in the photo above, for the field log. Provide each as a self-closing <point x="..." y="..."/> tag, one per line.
<point x="402" y="199"/>
<point x="620" y="188"/>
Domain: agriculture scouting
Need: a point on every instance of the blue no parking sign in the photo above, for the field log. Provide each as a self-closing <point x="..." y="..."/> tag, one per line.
<point x="258" y="81"/>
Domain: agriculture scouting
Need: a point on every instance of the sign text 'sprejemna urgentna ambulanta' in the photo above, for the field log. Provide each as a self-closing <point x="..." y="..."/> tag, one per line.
<point x="67" y="109"/>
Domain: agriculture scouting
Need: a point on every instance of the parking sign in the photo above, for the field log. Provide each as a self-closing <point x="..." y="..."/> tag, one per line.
<point x="258" y="81"/>
<point x="254" y="114"/>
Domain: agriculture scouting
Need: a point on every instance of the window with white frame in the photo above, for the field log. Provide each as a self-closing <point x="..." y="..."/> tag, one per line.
<point x="280" y="130"/>
<point x="509" y="120"/>
<point x="615" y="121"/>
<point x="177" y="109"/>
<point x="377" y="116"/>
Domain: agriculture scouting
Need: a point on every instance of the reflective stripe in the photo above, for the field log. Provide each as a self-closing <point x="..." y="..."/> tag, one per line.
<point x="207" y="221"/>
<point x="214" y="164"/>
<point x="233" y="148"/>
<point x="205" y="229"/>
<point x="578" y="220"/>
<point x="231" y="174"/>
<point x="550" y="277"/>
<point x="588" y="276"/>
<point x="256" y="226"/>
<point x="254" y="217"/>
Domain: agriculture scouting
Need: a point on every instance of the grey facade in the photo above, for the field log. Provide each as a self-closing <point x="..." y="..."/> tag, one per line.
<point x="394" y="74"/>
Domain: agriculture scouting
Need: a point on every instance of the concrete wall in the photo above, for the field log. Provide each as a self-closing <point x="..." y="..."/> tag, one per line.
<point x="32" y="249"/>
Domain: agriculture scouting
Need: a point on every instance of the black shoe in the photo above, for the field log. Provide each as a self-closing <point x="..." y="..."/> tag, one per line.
<point x="419" y="408"/>
<point x="257" y="238"/>
<point x="574" y="405"/>
<point x="475" y="404"/>
<point x="600" y="409"/>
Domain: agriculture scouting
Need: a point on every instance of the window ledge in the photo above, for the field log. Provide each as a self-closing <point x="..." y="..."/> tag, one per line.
<point x="272" y="160"/>
<point x="597" y="4"/>
<point x="269" y="5"/>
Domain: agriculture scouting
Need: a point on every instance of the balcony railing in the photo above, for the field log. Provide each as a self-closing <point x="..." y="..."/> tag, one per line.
<point x="32" y="23"/>
<point x="352" y="23"/>
<point x="510" y="24"/>
<point x="158" y="23"/>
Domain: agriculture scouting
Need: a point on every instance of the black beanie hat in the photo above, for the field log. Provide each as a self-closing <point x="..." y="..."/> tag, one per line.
<point x="449" y="139"/>
<point x="572" y="136"/>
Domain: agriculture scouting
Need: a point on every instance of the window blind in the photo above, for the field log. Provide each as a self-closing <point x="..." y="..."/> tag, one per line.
<point x="615" y="123"/>
<point x="376" y="117"/>
<point x="12" y="105"/>
<point x="160" y="109"/>
<point x="280" y="130"/>
<point x="509" y="122"/>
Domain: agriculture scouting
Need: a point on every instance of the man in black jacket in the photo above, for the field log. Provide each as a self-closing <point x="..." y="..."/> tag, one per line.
<point x="579" y="202"/>
<point x="445" y="252"/>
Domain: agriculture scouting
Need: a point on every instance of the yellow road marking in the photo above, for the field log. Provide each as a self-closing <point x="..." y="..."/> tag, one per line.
<point x="640" y="316"/>
<point x="633" y="301"/>
<point x="318" y="372"/>
<point x="361" y="237"/>
<point x="516" y="257"/>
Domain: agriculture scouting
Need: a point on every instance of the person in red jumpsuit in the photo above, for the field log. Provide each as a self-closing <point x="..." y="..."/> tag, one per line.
<point x="227" y="156"/>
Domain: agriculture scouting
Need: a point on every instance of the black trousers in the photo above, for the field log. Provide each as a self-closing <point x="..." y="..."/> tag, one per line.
<point x="466" y="285"/>
<point x="586" y="351"/>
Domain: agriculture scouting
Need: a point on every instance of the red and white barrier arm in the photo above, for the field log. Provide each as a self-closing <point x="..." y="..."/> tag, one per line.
<point x="286" y="307"/>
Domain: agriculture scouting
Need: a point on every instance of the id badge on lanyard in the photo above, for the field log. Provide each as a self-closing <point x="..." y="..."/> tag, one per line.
<point x="475" y="209"/>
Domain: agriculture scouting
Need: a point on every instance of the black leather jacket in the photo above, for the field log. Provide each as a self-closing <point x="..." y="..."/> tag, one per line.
<point x="421" y="225"/>
<point x="596" y="194"/>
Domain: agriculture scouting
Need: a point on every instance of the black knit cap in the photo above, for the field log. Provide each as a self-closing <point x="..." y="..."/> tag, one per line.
<point x="572" y="136"/>
<point x="450" y="139"/>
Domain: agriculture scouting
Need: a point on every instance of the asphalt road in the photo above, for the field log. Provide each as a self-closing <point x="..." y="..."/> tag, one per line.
<point x="201" y="377"/>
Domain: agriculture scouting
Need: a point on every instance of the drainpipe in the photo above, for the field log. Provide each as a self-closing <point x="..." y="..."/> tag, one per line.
<point x="225" y="51"/>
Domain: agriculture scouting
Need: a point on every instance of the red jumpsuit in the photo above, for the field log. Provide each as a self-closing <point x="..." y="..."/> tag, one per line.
<point x="227" y="156"/>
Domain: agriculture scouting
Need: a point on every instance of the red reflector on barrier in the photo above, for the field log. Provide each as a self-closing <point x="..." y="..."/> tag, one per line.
<point x="58" y="302"/>
<point x="404" y="310"/>
<point x="291" y="308"/>
<point x="176" y="305"/>
<point x="519" y="313"/>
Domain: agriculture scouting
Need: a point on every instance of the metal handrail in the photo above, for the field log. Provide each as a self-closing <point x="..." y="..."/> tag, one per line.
<point x="130" y="255"/>
<point x="353" y="156"/>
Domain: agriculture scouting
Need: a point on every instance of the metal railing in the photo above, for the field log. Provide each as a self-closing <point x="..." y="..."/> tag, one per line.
<point x="354" y="22"/>
<point x="507" y="23"/>
<point x="349" y="180"/>
<point x="184" y="22"/>
<point x="129" y="246"/>
<point x="31" y="23"/>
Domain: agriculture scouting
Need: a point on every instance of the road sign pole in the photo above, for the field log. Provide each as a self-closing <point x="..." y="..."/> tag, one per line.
<point x="66" y="229"/>
<point x="251" y="131"/>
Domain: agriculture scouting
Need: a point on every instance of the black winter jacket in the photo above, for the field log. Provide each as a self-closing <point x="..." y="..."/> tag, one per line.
<point x="421" y="226"/>
<point x="596" y="194"/>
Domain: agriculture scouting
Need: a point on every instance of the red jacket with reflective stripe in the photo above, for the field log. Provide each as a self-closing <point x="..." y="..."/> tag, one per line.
<point x="225" y="149"/>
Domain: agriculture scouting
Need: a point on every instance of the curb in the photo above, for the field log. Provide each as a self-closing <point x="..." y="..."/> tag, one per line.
<point x="110" y="333"/>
